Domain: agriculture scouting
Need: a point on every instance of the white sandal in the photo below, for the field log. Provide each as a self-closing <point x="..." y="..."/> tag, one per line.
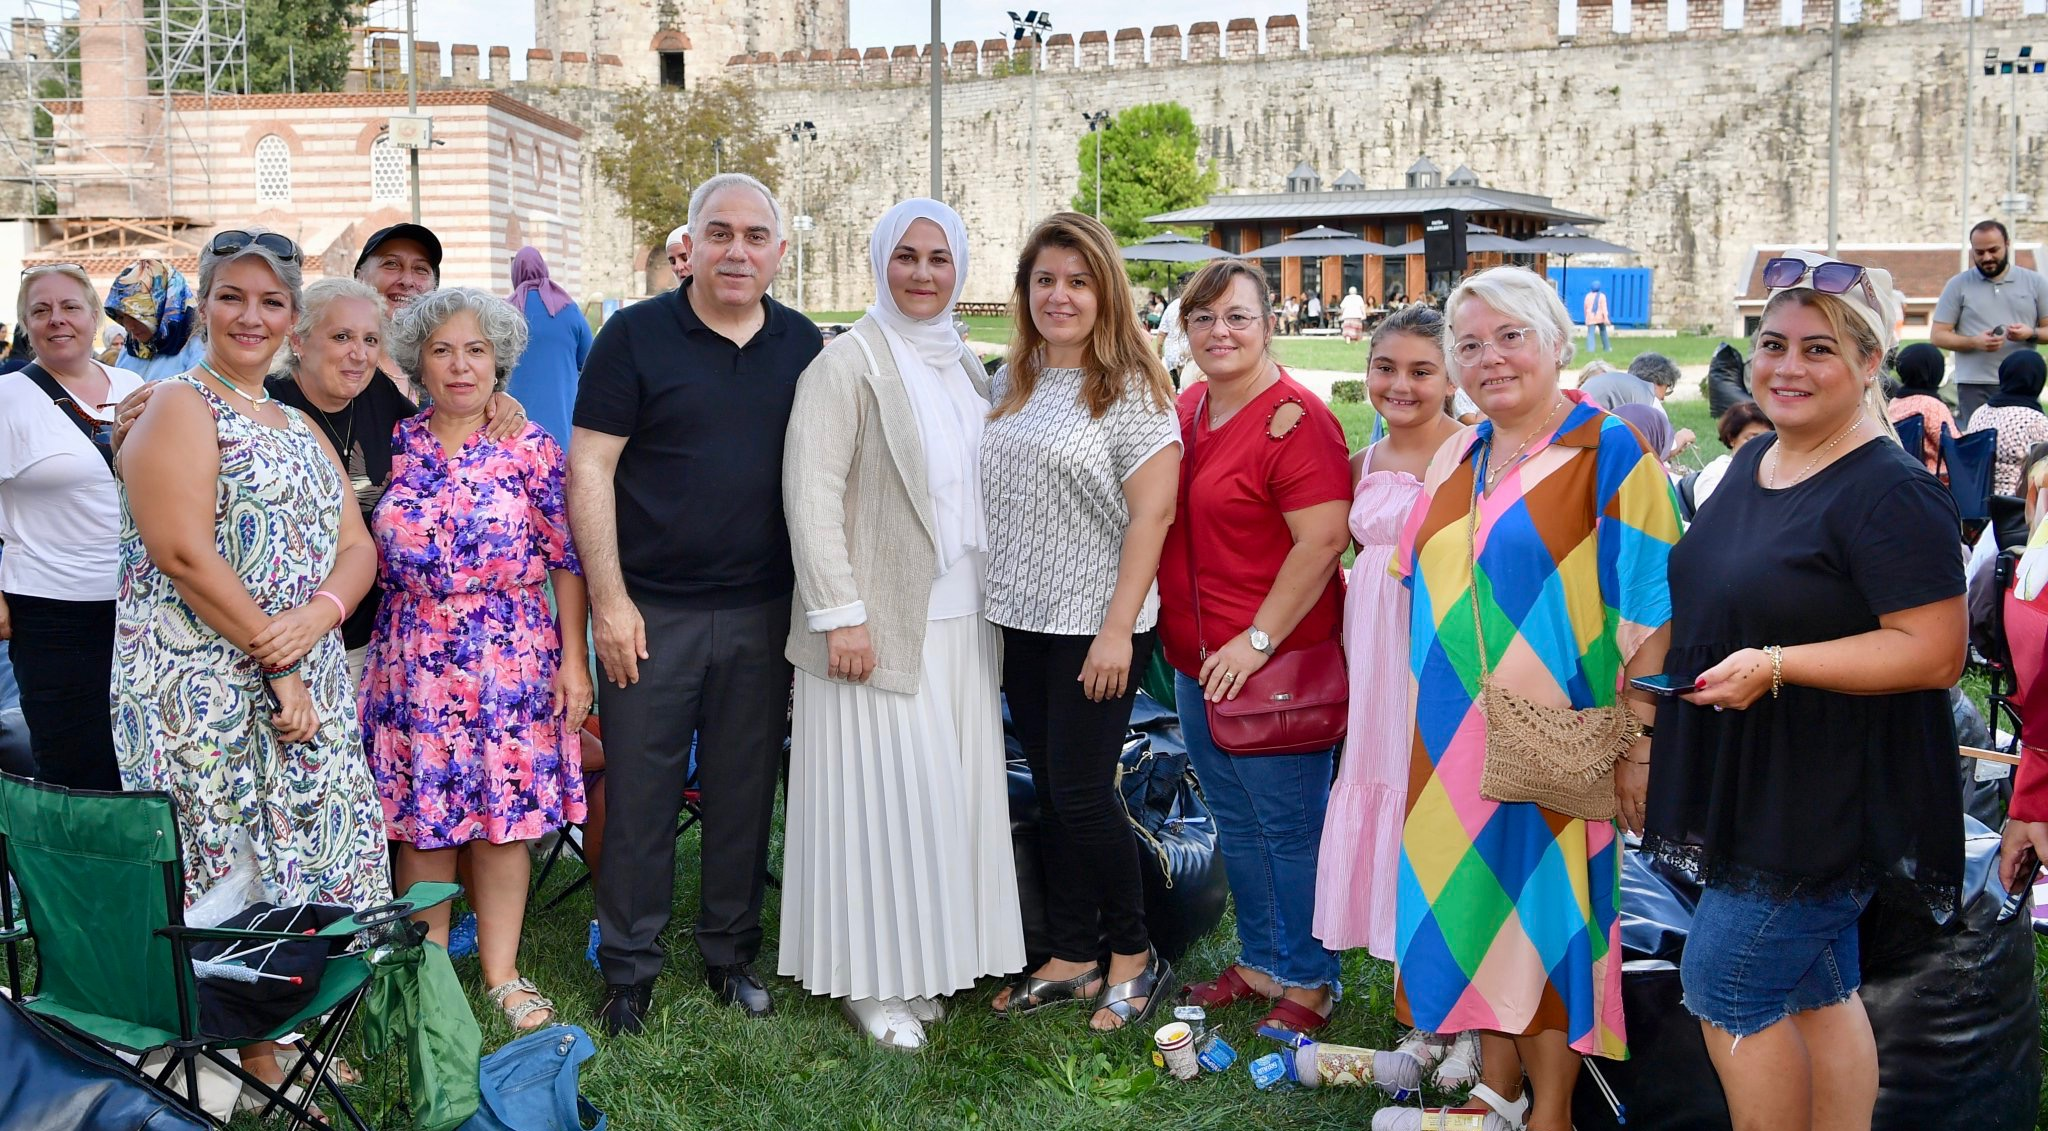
<point x="1505" y="1116"/>
<point x="514" y="1014"/>
<point x="889" y="1022"/>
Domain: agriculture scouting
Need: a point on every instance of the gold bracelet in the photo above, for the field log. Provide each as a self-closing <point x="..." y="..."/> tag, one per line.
<point x="1777" y="655"/>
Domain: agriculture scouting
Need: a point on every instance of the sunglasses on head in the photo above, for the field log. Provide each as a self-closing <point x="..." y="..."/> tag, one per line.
<point x="41" y="267"/>
<point x="1831" y="278"/>
<point x="234" y="240"/>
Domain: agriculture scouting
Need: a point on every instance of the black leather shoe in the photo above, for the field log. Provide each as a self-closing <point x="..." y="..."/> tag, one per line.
<point x="623" y="1012"/>
<point x="739" y="985"/>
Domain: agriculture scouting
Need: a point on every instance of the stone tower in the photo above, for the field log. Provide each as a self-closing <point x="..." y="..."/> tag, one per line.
<point x="684" y="42"/>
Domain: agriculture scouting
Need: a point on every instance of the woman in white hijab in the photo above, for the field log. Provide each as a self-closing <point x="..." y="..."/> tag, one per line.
<point x="899" y="886"/>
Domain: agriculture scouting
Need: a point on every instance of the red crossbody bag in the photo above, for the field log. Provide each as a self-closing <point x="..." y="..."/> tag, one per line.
<point x="1299" y="702"/>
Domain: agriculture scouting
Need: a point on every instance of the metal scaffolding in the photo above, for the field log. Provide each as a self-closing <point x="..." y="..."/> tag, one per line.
<point x="92" y="133"/>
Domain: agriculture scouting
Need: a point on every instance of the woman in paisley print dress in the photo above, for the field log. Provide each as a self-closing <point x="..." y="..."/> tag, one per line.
<point x="240" y="553"/>
<point x="472" y="699"/>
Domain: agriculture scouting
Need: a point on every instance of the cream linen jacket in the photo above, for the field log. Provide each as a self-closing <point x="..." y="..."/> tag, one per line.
<point x="858" y="506"/>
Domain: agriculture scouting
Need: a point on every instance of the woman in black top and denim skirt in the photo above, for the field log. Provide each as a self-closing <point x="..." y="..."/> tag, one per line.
<point x="1818" y="617"/>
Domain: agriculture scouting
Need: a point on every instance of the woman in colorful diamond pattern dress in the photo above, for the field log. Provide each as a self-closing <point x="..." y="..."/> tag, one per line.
<point x="1507" y="917"/>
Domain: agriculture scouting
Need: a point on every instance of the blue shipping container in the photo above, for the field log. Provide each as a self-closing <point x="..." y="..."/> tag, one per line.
<point x="1628" y="292"/>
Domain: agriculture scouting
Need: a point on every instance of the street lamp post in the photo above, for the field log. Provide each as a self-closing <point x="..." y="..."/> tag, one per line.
<point x="1034" y="23"/>
<point x="938" y="102"/>
<point x="1099" y="120"/>
<point x="2014" y="203"/>
<point x="803" y="134"/>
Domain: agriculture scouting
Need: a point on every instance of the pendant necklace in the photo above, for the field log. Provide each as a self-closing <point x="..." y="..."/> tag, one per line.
<point x="234" y="388"/>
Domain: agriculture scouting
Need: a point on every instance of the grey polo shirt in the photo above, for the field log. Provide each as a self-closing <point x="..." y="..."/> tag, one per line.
<point x="1973" y="304"/>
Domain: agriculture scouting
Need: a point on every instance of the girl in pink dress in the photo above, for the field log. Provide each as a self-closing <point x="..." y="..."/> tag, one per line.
<point x="1411" y="390"/>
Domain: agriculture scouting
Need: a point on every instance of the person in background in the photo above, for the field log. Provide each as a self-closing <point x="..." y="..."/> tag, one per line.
<point x="1598" y="322"/>
<point x="2015" y="414"/>
<point x="1661" y="374"/>
<point x="1352" y="311"/>
<point x="401" y="262"/>
<point x="1919" y="369"/>
<point x="60" y="518"/>
<point x="152" y="301"/>
<point x="1290" y="315"/>
<point x="1987" y="312"/>
<point x="559" y="341"/>
<point x="1818" y="622"/>
<point x="1741" y="423"/>
<point x="1358" y="863"/>
<point x="676" y="500"/>
<point x="1314" y="309"/>
<point x="241" y="552"/>
<point x="114" y="337"/>
<point x="900" y="881"/>
<point x="1610" y="388"/>
<point x="19" y="351"/>
<point x="678" y="250"/>
<point x="1570" y="519"/>
<point x="1173" y="342"/>
<point x="475" y="689"/>
<point x="1250" y="572"/>
<point x="1653" y="426"/>
<point x="1079" y="463"/>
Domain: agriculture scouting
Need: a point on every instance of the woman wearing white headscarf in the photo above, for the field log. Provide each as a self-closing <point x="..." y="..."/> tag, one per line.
<point x="900" y="885"/>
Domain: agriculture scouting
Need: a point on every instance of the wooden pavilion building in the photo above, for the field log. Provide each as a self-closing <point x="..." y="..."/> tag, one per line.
<point x="1245" y="222"/>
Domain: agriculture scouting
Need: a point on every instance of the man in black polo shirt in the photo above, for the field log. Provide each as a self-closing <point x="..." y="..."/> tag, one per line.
<point x="675" y="486"/>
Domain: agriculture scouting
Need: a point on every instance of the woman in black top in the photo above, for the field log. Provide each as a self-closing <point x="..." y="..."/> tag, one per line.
<point x="1818" y="613"/>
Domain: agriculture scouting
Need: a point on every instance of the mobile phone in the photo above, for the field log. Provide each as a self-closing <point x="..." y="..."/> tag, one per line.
<point x="2023" y="883"/>
<point x="1660" y="684"/>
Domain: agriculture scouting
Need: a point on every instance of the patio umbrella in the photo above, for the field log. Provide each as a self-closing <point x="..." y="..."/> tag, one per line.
<point x="1567" y="240"/>
<point x="1481" y="241"/>
<point x="1317" y="243"/>
<point x="1171" y="247"/>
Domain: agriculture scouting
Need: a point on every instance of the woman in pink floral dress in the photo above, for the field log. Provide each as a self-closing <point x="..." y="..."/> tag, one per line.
<point x="472" y="698"/>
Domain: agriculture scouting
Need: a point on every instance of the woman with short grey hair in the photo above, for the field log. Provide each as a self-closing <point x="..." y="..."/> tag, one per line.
<point x="475" y="689"/>
<point x="240" y="555"/>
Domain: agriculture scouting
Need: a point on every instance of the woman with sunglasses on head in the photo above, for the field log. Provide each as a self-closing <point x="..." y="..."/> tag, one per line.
<point x="1250" y="573"/>
<point x="1535" y="564"/>
<point x="1818" y="621"/>
<point x="241" y="553"/>
<point x="60" y="518"/>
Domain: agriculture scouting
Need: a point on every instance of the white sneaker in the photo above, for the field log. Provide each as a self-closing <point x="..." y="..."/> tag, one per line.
<point x="926" y="1009"/>
<point x="1460" y="1064"/>
<point x="1426" y="1048"/>
<point x="888" y="1021"/>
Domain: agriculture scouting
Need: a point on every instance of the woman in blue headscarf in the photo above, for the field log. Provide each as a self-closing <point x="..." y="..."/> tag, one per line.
<point x="900" y="885"/>
<point x="152" y="302"/>
<point x="545" y="378"/>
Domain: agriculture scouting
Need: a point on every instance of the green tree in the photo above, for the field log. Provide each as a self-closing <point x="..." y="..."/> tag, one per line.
<point x="1149" y="166"/>
<point x="293" y="44"/>
<point x="665" y="142"/>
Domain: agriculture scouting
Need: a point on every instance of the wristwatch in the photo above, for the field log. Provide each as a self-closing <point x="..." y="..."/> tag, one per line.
<point x="1261" y="643"/>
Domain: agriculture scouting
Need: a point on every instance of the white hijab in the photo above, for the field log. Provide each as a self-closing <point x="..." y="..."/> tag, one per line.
<point x="929" y="355"/>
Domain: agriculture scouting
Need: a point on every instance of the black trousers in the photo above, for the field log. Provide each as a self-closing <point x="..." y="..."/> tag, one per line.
<point x="719" y="674"/>
<point x="63" y="654"/>
<point x="1087" y="855"/>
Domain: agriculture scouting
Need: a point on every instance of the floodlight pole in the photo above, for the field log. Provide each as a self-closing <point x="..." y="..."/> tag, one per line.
<point x="802" y="133"/>
<point x="938" y="99"/>
<point x="1969" y="75"/>
<point x="412" y="101"/>
<point x="1834" y="123"/>
<point x="1034" y="24"/>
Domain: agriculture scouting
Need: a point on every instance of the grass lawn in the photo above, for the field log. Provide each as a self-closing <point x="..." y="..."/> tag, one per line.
<point x="1357" y="419"/>
<point x="702" y="1065"/>
<point x="1337" y="354"/>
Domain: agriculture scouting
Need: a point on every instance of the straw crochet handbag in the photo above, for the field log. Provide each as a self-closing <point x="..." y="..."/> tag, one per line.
<point x="1558" y="757"/>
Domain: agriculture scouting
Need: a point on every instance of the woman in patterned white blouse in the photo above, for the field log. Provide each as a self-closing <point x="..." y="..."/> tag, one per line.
<point x="1080" y="464"/>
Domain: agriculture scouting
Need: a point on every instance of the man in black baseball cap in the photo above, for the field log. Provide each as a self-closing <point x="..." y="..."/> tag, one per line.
<point x="401" y="262"/>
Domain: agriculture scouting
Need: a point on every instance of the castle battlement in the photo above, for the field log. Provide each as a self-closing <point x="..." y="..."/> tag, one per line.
<point x="1334" y="28"/>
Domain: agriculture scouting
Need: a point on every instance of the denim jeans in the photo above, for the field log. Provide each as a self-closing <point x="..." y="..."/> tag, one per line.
<point x="1269" y="825"/>
<point x="1600" y="329"/>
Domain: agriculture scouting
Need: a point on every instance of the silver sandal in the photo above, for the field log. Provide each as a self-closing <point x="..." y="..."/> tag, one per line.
<point x="1150" y="984"/>
<point x="514" y="1014"/>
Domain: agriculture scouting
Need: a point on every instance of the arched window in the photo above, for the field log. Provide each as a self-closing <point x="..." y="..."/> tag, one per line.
<point x="387" y="172"/>
<point x="273" y="171"/>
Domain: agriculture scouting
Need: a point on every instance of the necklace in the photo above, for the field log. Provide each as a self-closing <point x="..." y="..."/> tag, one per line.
<point x="1815" y="461"/>
<point x="232" y="387"/>
<point x="342" y="446"/>
<point x="1493" y="475"/>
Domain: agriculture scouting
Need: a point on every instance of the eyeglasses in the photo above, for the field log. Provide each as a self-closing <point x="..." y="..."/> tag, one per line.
<point x="1831" y="278"/>
<point x="1236" y="320"/>
<point x="41" y="267"/>
<point x="234" y="240"/>
<point x="1508" y="343"/>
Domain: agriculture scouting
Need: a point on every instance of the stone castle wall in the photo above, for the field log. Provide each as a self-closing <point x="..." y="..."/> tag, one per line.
<point x="1696" y="144"/>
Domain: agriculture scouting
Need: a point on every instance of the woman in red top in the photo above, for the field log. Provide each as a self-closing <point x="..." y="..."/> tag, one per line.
<point x="1256" y="538"/>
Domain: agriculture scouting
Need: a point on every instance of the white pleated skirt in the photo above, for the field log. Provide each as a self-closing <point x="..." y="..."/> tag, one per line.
<point x="898" y="877"/>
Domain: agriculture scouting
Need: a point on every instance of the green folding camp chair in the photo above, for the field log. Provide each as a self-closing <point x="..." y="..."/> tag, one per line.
<point x="101" y="883"/>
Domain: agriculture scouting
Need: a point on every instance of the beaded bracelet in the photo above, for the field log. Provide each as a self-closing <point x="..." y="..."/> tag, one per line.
<point x="1777" y="655"/>
<point x="279" y="673"/>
